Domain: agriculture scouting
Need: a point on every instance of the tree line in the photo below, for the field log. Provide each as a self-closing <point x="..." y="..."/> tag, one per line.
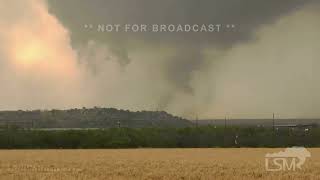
<point x="189" y="137"/>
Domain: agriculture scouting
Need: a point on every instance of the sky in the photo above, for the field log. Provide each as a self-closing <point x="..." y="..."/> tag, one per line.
<point x="266" y="64"/>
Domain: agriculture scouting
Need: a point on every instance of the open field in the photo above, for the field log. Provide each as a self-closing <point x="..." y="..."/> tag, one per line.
<point x="243" y="163"/>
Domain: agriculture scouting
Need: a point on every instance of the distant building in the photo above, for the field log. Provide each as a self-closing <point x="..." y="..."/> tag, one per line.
<point x="305" y="127"/>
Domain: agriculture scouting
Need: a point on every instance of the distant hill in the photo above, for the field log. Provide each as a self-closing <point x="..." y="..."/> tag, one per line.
<point x="90" y="118"/>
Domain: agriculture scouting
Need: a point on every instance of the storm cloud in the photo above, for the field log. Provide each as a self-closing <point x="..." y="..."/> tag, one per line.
<point x="246" y="15"/>
<point x="265" y="64"/>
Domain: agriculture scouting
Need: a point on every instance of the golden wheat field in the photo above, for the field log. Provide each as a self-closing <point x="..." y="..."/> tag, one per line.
<point x="243" y="163"/>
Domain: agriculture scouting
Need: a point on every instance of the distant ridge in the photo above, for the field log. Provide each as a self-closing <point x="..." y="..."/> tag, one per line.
<point x="90" y="118"/>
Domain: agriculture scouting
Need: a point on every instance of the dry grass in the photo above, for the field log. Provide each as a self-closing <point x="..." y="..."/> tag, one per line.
<point x="147" y="164"/>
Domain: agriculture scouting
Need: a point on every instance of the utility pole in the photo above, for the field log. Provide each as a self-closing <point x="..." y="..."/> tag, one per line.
<point x="197" y="122"/>
<point x="225" y="130"/>
<point x="119" y="124"/>
<point x="273" y="122"/>
<point x="225" y="122"/>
